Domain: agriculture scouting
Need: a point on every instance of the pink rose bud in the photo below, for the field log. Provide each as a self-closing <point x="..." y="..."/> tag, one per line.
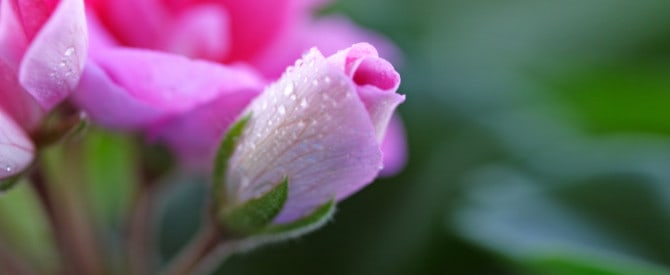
<point x="320" y="126"/>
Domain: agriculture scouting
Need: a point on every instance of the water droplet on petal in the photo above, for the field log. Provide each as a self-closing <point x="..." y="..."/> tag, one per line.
<point x="288" y="89"/>
<point x="69" y="51"/>
<point x="282" y="110"/>
<point x="304" y="103"/>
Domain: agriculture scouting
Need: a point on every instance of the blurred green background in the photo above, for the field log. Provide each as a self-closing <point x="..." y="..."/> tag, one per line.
<point x="539" y="141"/>
<point x="539" y="135"/>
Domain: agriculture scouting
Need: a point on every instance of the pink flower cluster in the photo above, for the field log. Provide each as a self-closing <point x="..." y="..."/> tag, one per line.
<point x="43" y="47"/>
<point x="182" y="71"/>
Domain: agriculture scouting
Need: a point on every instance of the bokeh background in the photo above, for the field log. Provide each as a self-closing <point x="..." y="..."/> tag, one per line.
<point x="539" y="142"/>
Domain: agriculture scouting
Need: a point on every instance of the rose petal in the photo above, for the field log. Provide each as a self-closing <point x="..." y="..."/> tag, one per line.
<point x="52" y="65"/>
<point x="254" y="24"/>
<point x="328" y="34"/>
<point x="394" y="148"/>
<point x="16" y="150"/>
<point x="196" y="135"/>
<point x="376" y="82"/>
<point x="110" y="104"/>
<point x="136" y="23"/>
<point x="99" y="36"/>
<point x="131" y="88"/>
<point x="13" y="40"/>
<point x="34" y="13"/>
<point x="170" y="81"/>
<point x="15" y="101"/>
<point x="311" y="127"/>
<point x="201" y="31"/>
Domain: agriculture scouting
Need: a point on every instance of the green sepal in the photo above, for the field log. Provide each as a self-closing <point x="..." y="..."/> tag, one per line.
<point x="226" y="149"/>
<point x="8" y="183"/>
<point x="305" y="224"/>
<point x="58" y="128"/>
<point x="256" y="214"/>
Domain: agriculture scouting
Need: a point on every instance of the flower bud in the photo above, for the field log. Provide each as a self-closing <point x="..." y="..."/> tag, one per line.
<point x="318" y="129"/>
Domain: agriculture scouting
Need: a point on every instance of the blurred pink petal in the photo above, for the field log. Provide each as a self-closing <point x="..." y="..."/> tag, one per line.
<point x="15" y="102"/>
<point x="13" y="40"/>
<point x="16" y="149"/>
<point x="195" y="135"/>
<point x="130" y="88"/>
<point x="328" y="34"/>
<point x="34" y="14"/>
<point x="110" y="104"/>
<point x="52" y="64"/>
<point x="394" y="148"/>
<point x="201" y="31"/>
<point x="132" y="23"/>
<point x="99" y="37"/>
<point x="312" y="127"/>
<point x="255" y="24"/>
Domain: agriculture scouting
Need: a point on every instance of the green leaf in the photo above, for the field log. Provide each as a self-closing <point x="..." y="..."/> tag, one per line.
<point x="254" y="215"/>
<point x="308" y="223"/>
<point x="226" y="149"/>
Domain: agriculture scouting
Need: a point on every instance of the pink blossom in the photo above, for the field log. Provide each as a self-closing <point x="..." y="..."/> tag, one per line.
<point x="243" y="37"/>
<point x="321" y="125"/>
<point x="44" y="45"/>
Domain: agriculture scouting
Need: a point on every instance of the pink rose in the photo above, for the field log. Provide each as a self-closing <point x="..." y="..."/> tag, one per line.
<point x="44" y="45"/>
<point x="320" y="125"/>
<point x="123" y="87"/>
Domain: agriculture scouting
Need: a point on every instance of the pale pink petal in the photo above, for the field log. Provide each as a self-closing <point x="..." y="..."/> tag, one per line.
<point x="195" y="135"/>
<point x="202" y="31"/>
<point x="171" y="81"/>
<point x="311" y="127"/>
<point x="99" y="36"/>
<point x="394" y="148"/>
<point x="13" y="40"/>
<point x="16" y="102"/>
<point x="128" y="88"/>
<point x="376" y="82"/>
<point x="111" y="105"/>
<point x="16" y="149"/>
<point x="52" y="64"/>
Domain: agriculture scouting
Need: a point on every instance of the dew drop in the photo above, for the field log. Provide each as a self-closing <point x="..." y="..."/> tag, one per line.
<point x="303" y="103"/>
<point x="69" y="51"/>
<point x="9" y="168"/>
<point x="327" y="79"/>
<point x="281" y="109"/>
<point x="288" y="89"/>
<point x="315" y="83"/>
